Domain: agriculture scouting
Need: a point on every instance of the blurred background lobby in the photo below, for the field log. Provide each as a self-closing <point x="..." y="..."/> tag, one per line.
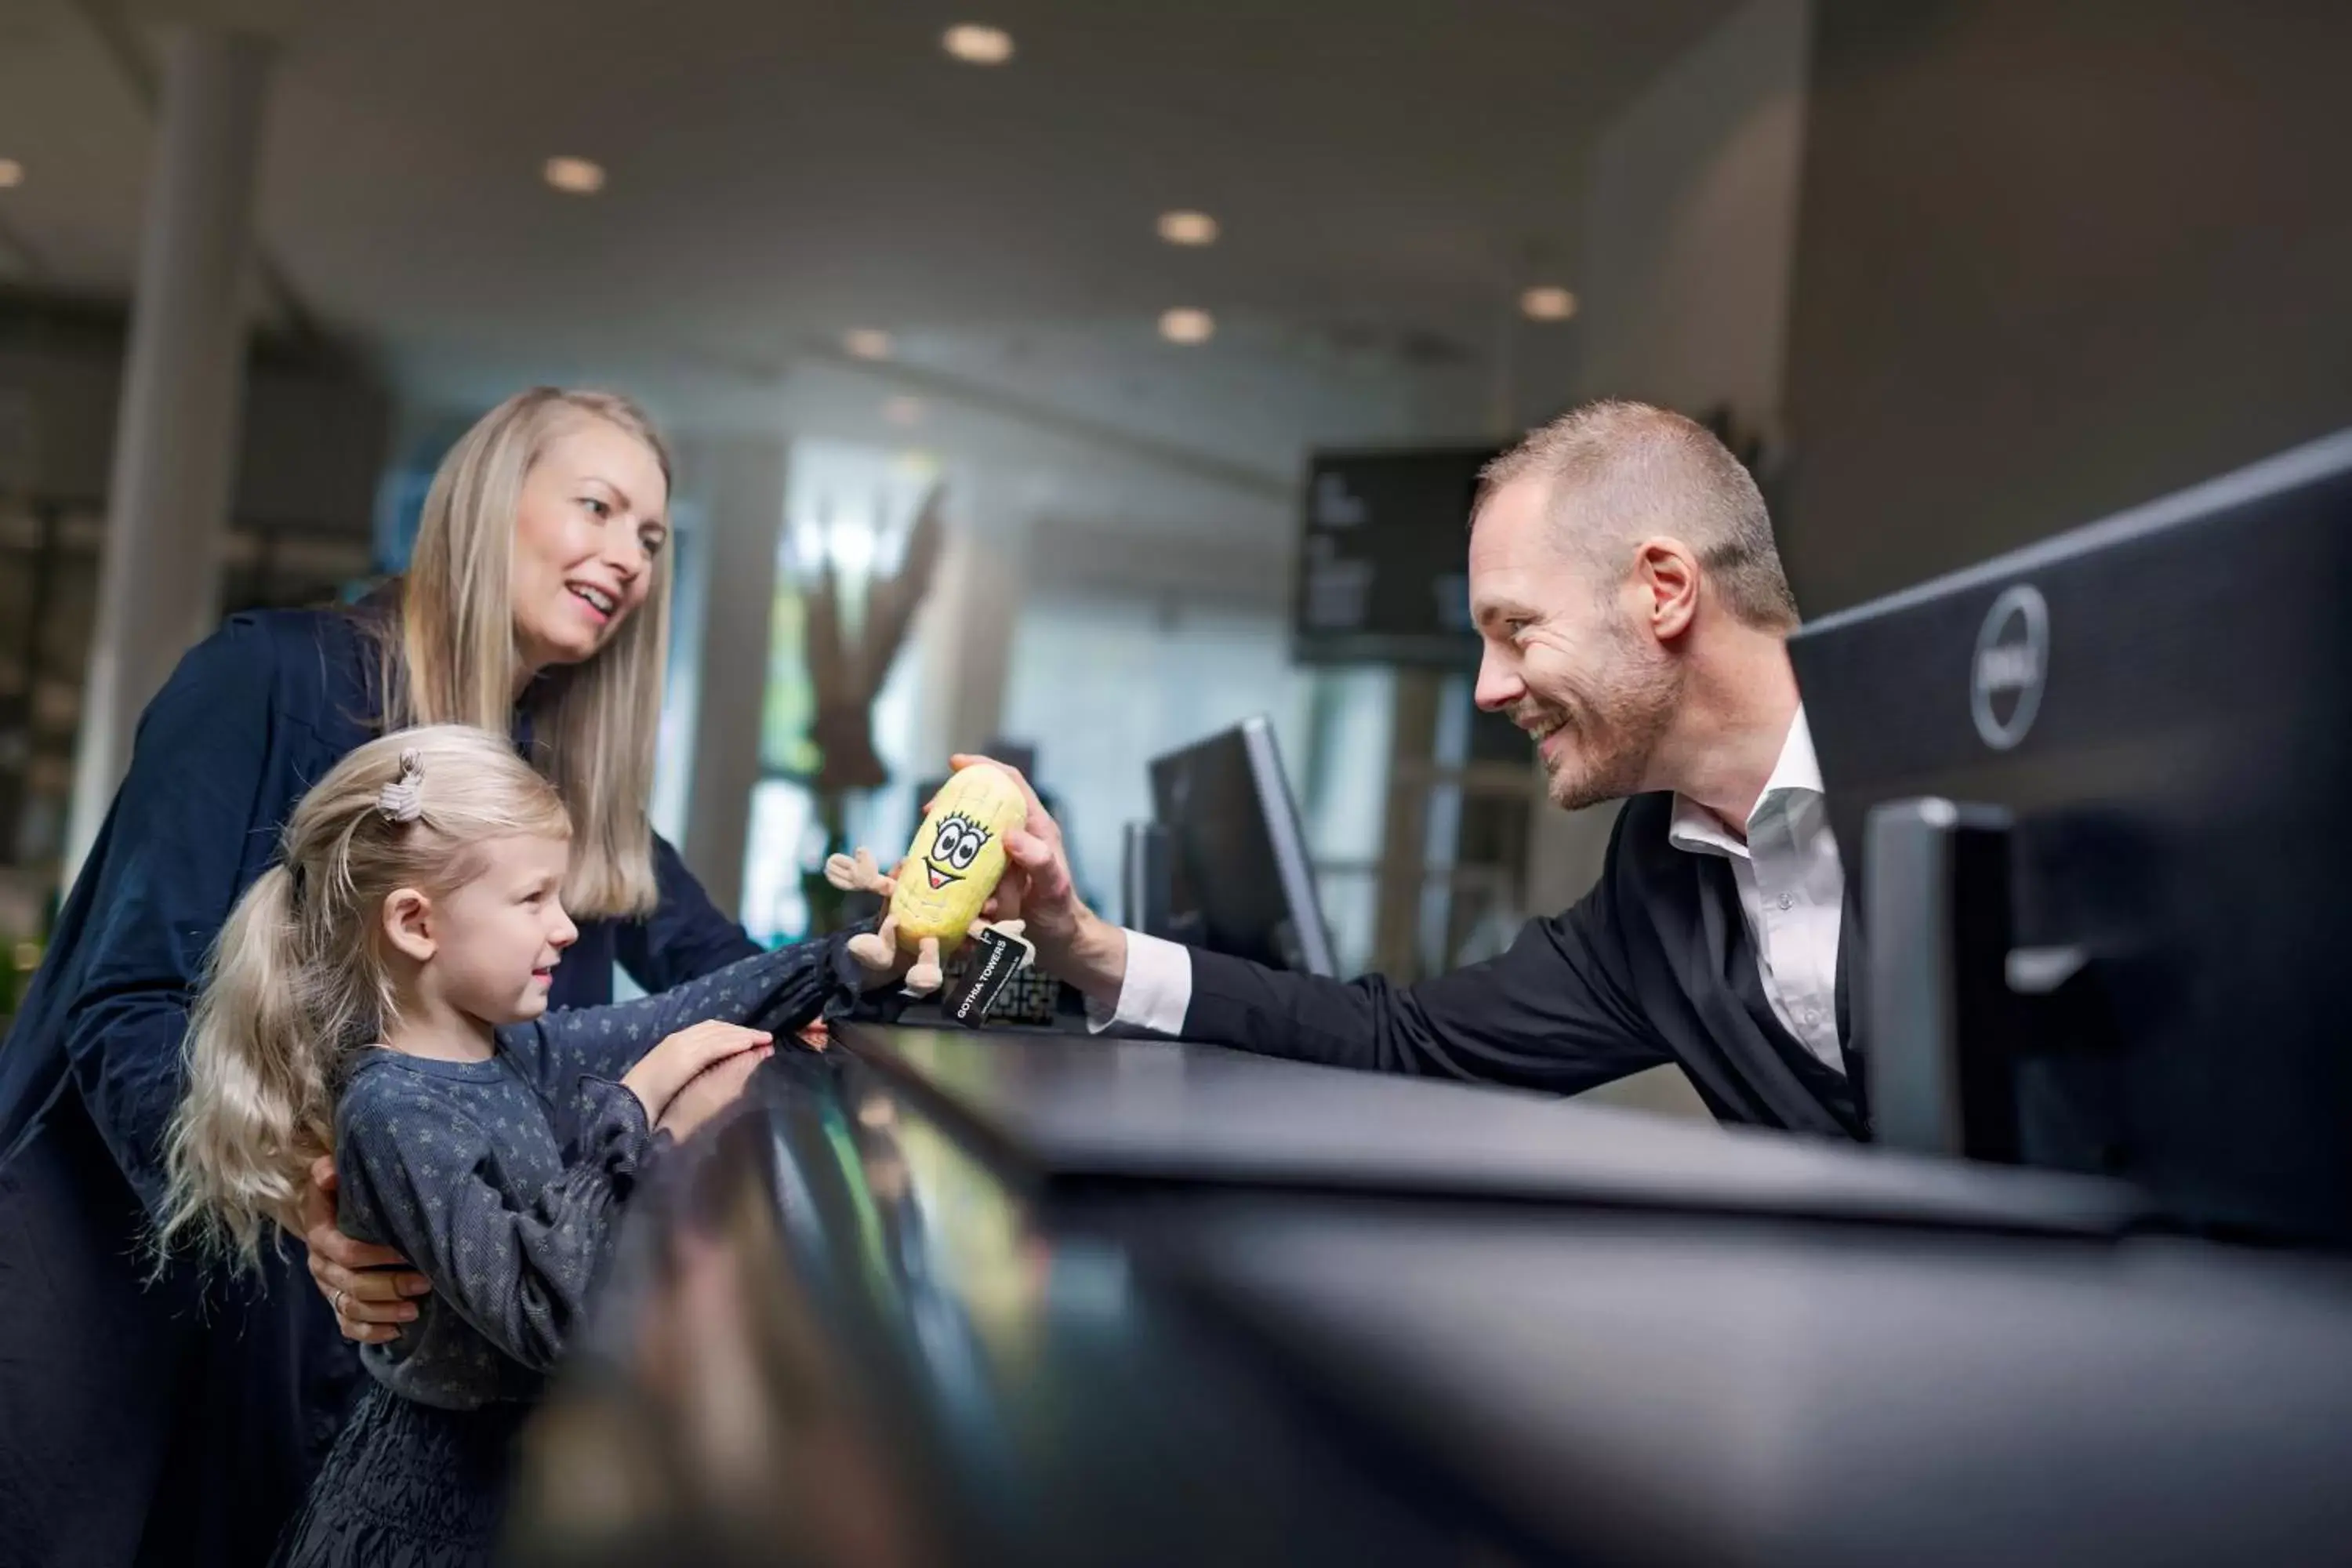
<point x="1111" y="279"/>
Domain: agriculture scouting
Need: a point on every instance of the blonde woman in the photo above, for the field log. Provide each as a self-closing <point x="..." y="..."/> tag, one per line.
<point x="537" y="602"/>
<point x="383" y="991"/>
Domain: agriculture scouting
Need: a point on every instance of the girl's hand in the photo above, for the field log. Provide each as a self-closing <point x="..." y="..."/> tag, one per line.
<point x="675" y="1063"/>
<point x="370" y="1288"/>
<point x="712" y="1090"/>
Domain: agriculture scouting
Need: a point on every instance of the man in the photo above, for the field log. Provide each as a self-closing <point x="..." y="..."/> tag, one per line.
<point x="1633" y="613"/>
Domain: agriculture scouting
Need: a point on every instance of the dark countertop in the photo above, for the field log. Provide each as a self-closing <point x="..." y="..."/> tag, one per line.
<point x="1064" y="1106"/>
<point x="944" y="1298"/>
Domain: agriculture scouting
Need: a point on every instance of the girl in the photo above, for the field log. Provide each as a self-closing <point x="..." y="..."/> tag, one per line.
<point x="134" y="1418"/>
<point x="383" y="993"/>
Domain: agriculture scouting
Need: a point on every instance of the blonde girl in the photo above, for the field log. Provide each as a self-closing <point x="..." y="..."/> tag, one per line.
<point x="382" y="992"/>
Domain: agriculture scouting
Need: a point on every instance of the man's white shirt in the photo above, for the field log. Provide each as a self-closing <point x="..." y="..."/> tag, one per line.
<point x="1792" y="892"/>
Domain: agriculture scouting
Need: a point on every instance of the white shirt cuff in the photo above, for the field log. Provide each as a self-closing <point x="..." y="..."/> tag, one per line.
<point x="1156" y="993"/>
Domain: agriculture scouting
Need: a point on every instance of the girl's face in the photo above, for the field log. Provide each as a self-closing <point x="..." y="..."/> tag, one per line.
<point x="593" y="514"/>
<point x="497" y="939"/>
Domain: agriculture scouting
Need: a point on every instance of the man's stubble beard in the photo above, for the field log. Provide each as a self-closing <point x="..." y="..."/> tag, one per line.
<point x="1627" y="715"/>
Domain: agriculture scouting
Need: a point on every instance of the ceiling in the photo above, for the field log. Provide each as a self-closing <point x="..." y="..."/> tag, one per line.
<point x="1388" y="174"/>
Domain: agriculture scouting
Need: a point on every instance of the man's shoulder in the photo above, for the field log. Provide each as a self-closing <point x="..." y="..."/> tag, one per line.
<point x="1639" y="853"/>
<point x="1655" y="809"/>
<point x="1641" y="868"/>
<point x="1639" y="843"/>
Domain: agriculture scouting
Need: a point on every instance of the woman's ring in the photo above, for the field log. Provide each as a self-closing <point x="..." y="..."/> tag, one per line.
<point x="340" y="1299"/>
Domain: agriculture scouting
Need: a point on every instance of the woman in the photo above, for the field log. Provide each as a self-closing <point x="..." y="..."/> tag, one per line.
<point x="537" y="597"/>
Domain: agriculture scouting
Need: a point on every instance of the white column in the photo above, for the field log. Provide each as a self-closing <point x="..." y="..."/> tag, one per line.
<point x="176" y="440"/>
<point x="965" y="634"/>
<point x="741" y="482"/>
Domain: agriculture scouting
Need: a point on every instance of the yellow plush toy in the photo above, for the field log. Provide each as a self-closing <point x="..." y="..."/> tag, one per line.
<point x="937" y="890"/>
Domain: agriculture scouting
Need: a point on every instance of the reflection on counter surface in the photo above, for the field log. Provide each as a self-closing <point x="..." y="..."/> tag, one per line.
<point x="942" y="1298"/>
<point x="844" y="1339"/>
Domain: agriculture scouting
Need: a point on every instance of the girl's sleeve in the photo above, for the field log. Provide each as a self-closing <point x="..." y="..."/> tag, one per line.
<point x="518" y="1266"/>
<point x="779" y="991"/>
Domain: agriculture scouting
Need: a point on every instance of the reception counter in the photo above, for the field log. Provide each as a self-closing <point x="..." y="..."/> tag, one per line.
<point x="945" y="1297"/>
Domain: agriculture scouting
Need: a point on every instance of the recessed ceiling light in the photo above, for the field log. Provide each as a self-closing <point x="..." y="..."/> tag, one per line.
<point x="903" y="411"/>
<point x="976" y="44"/>
<point x="1188" y="229"/>
<point x="1186" y="326"/>
<point x="1548" y="303"/>
<point x="12" y="173"/>
<point x="867" y="342"/>
<point x="575" y="177"/>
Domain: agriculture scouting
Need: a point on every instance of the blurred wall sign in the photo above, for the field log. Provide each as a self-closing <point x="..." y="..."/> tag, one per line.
<point x="1382" y="552"/>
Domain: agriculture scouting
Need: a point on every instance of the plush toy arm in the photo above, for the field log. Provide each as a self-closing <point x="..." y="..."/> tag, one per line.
<point x="858" y="876"/>
<point x="875" y="949"/>
<point x="878" y="951"/>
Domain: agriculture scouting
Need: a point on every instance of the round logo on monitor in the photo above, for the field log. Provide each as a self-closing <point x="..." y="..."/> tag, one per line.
<point x="2012" y="658"/>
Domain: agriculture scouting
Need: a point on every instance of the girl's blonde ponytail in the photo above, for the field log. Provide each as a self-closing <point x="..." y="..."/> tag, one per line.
<point x="258" y="1109"/>
<point x="299" y="977"/>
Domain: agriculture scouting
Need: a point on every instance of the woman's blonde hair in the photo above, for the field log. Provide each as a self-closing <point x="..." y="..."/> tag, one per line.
<point x="299" y="978"/>
<point x="451" y="657"/>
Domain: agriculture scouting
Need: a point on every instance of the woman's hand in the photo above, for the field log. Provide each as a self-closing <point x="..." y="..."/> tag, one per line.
<point x="711" y="1091"/>
<point x="370" y="1288"/>
<point x="680" y="1060"/>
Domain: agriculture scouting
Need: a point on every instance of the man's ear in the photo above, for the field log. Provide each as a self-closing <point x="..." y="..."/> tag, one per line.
<point x="408" y="923"/>
<point x="1668" y="576"/>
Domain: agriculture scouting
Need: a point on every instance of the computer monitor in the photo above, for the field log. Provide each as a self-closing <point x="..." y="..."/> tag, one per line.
<point x="1238" y="879"/>
<point x="2093" y="797"/>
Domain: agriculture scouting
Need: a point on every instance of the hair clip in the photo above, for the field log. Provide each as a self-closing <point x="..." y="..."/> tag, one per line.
<point x="403" y="800"/>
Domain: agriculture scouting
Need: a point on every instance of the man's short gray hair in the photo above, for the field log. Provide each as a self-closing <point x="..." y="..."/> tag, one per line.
<point x="1619" y="472"/>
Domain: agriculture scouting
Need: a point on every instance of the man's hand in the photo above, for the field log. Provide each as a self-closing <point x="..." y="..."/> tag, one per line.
<point x="369" y="1288"/>
<point x="1073" y="942"/>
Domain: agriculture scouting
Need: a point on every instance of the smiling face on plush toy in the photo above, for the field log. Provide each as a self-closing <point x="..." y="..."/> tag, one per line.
<point x="953" y="849"/>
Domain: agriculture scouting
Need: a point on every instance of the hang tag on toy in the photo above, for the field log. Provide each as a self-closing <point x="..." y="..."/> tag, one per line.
<point x="996" y="958"/>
